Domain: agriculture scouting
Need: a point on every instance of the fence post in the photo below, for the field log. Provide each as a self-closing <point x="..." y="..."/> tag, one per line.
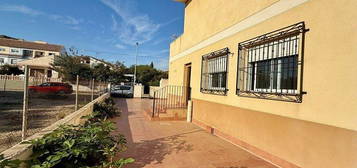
<point x="25" y="105"/>
<point x="5" y="83"/>
<point x="153" y="105"/>
<point x="77" y="88"/>
<point x="92" y="90"/>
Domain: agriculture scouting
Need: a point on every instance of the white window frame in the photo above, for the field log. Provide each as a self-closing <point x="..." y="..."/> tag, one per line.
<point x="14" y="50"/>
<point x="220" y="82"/>
<point x="271" y="84"/>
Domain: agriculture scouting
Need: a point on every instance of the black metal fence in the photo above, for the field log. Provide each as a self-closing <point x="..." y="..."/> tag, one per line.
<point x="271" y="66"/>
<point x="214" y="72"/>
<point x="170" y="97"/>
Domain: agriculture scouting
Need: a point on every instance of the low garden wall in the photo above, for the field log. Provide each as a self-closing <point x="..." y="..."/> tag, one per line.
<point x="23" y="151"/>
<point x="153" y="89"/>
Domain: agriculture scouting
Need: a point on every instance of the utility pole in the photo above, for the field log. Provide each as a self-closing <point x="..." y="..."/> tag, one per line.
<point x="136" y="61"/>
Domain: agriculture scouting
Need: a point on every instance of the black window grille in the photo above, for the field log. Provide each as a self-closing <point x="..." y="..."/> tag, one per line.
<point x="270" y="66"/>
<point x="214" y="72"/>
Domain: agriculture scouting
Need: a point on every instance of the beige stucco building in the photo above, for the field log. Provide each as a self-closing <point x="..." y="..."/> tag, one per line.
<point x="275" y="77"/>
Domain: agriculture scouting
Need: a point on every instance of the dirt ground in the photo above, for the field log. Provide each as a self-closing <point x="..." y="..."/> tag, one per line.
<point x="43" y="111"/>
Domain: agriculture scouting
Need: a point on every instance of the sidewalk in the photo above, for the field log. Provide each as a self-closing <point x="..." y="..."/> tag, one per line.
<point x="176" y="144"/>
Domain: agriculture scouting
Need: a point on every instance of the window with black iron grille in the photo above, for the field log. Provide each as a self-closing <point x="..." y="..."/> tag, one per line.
<point x="214" y="72"/>
<point x="270" y="66"/>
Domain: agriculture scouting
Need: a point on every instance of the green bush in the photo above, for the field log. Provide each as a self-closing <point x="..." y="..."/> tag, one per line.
<point x="90" y="145"/>
<point x="104" y="110"/>
<point x="10" y="70"/>
<point x="109" y="101"/>
<point x="7" y="163"/>
<point x="86" y="146"/>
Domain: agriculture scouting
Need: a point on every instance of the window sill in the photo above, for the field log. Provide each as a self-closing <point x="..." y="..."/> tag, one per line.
<point x="215" y="92"/>
<point x="287" y="97"/>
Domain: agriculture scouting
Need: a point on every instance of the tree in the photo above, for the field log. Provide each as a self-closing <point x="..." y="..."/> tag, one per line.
<point x="101" y="72"/>
<point x="10" y="70"/>
<point x="148" y="76"/>
<point x="70" y="66"/>
<point x="117" y="73"/>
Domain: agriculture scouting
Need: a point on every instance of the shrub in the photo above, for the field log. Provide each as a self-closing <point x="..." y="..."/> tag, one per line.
<point x="109" y="101"/>
<point x="90" y="145"/>
<point x="104" y="110"/>
<point x="86" y="146"/>
<point x="10" y="70"/>
<point x="6" y="163"/>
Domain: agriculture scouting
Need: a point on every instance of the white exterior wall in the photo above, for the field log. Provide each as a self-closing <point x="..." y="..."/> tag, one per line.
<point x="20" y="51"/>
<point x="4" y="59"/>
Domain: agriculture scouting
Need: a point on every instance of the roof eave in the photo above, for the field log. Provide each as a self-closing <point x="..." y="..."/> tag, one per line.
<point x="183" y="1"/>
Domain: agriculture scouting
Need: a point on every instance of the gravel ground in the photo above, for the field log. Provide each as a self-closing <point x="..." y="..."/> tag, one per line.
<point x="43" y="111"/>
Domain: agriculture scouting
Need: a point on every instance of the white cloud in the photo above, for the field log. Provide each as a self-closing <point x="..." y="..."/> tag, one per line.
<point x="75" y="28"/>
<point x="120" y="46"/>
<point x="170" y="21"/>
<point x="163" y="51"/>
<point x="162" y="64"/>
<point x="68" y="20"/>
<point x="155" y="53"/>
<point x="19" y="9"/>
<point x="135" y="27"/>
<point x="159" y="41"/>
<point x="65" y="19"/>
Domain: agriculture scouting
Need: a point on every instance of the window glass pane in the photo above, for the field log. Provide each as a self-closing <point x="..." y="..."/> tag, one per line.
<point x="215" y="80"/>
<point x="45" y="84"/>
<point x="263" y="75"/>
<point x="124" y="88"/>
<point x="275" y="65"/>
<point x="13" y="61"/>
<point x="223" y="80"/>
<point x="289" y="73"/>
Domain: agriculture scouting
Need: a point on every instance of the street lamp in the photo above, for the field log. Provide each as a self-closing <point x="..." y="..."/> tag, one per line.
<point x="136" y="61"/>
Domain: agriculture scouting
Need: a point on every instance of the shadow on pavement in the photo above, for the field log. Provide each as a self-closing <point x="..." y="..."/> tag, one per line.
<point x="149" y="151"/>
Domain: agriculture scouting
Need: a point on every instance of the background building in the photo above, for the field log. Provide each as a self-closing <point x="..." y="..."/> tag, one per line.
<point x="276" y="77"/>
<point x="14" y="50"/>
<point x="92" y="61"/>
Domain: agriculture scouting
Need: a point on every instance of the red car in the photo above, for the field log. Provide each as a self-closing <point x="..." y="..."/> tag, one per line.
<point x="52" y="88"/>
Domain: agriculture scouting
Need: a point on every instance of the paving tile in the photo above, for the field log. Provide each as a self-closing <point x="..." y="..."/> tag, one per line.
<point x="176" y="144"/>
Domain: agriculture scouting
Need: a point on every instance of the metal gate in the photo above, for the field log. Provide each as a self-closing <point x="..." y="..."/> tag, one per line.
<point x="170" y="97"/>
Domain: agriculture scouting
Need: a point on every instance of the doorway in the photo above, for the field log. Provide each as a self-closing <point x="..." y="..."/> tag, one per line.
<point x="187" y="80"/>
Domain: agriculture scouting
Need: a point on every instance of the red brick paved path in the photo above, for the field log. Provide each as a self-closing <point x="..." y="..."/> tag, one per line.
<point x="176" y="144"/>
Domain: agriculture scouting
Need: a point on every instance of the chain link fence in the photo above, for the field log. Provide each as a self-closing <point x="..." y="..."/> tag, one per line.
<point x="48" y="101"/>
<point x="11" y="101"/>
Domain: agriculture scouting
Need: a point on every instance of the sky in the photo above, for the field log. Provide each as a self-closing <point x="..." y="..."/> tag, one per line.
<point x="106" y="29"/>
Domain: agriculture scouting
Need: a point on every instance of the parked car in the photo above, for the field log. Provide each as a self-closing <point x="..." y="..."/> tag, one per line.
<point x="122" y="90"/>
<point x="52" y="88"/>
